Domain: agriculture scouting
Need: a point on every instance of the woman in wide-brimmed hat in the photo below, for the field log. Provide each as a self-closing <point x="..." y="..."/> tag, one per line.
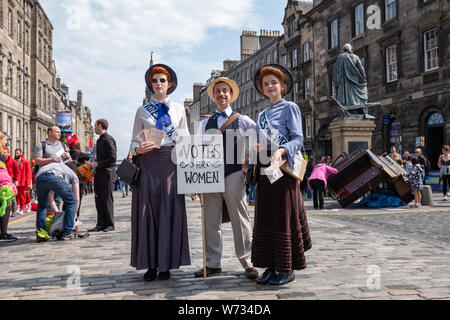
<point x="280" y="234"/>
<point x="159" y="225"/>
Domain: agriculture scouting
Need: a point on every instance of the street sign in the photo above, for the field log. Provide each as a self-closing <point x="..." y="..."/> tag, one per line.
<point x="386" y="119"/>
<point x="200" y="164"/>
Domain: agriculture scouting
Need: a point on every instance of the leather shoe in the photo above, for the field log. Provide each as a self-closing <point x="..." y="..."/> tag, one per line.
<point x="282" y="278"/>
<point x="164" y="275"/>
<point x="150" y="275"/>
<point x="209" y="271"/>
<point x="251" y="273"/>
<point x="110" y="228"/>
<point x="268" y="275"/>
<point x="96" y="229"/>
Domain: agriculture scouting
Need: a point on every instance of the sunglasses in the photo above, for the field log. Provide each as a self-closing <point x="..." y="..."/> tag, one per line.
<point x="162" y="80"/>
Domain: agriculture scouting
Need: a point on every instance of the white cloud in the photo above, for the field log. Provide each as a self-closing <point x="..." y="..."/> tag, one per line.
<point x="103" y="48"/>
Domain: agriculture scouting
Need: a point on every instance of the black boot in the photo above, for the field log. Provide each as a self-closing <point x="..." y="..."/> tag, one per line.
<point x="164" y="275"/>
<point x="150" y="275"/>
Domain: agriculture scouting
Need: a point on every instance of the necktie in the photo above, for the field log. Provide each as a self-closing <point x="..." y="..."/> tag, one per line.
<point x="163" y="118"/>
<point x="219" y="114"/>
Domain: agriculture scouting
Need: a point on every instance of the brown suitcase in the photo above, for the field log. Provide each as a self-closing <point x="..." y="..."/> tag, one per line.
<point x="362" y="171"/>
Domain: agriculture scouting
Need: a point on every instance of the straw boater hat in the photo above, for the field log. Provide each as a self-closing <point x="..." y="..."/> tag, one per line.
<point x="282" y="69"/>
<point x="233" y="85"/>
<point x="172" y="75"/>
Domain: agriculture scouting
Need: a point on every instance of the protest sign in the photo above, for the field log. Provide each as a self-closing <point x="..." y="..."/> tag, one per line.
<point x="200" y="165"/>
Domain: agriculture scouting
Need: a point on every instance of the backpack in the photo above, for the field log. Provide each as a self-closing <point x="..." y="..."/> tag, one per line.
<point x="36" y="167"/>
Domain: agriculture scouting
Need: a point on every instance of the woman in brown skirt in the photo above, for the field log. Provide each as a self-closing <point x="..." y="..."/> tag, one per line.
<point x="281" y="234"/>
<point x="159" y="240"/>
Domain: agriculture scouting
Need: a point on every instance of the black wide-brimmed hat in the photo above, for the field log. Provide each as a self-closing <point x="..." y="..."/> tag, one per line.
<point x="172" y="73"/>
<point x="282" y="69"/>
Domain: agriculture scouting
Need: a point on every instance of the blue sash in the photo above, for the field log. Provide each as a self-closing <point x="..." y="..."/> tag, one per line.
<point x="169" y="128"/>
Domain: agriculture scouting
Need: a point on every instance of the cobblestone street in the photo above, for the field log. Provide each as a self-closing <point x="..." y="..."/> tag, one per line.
<point x="356" y="254"/>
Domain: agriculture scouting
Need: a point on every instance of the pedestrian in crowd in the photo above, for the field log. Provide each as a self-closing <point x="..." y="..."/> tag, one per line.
<point x="424" y="163"/>
<point x="80" y="158"/>
<point x="90" y="185"/>
<point x="444" y="166"/>
<point x="103" y="178"/>
<point x="124" y="189"/>
<point x="13" y="171"/>
<point x="49" y="151"/>
<point x="406" y="160"/>
<point x="318" y="182"/>
<point x="251" y="184"/>
<point x="159" y="233"/>
<point x="125" y="186"/>
<point x="46" y="151"/>
<point x="33" y="181"/>
<point x="394" y="155"/>
<point x="56" y="177"/>
<point x="308" y="171"/>
<point x="24" y="183"/>
<point x="280" y="234"/>
<point x="415" y="178"/>
<point x="11" y="165"/>
<point x="117" y="182"/>
<point x="224" y="91"/>
<point x="328" y="163"/>
<point x="4" y="235"/>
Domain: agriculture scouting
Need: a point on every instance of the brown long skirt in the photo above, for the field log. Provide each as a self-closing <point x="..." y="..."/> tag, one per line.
<point x="159" y="233"/>
<point x="280" y="234"/>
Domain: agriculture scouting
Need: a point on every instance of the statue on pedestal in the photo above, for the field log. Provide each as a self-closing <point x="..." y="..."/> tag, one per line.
<point x="350" y="82"/>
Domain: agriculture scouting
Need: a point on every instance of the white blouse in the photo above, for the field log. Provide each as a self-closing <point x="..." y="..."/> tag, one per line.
<point x="143" y="120"/>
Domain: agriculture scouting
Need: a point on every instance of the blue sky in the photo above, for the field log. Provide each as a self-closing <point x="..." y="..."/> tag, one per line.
<point x="103" y="47"/>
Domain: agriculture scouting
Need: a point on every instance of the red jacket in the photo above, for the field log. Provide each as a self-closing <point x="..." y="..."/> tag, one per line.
<point x="24" y="177"/>
<point x="13" y="168"/>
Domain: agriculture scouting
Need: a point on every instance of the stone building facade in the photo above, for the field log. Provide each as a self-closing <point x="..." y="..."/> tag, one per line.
<point x="403" y="46"/>
<point x="406" y="59"/>
<point x="295" y="50"/>
<point x="30" y="91"/>
<point x="15" y="71"/>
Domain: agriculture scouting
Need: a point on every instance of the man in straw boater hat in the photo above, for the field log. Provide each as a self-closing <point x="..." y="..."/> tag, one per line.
<point x="223" y="92"/>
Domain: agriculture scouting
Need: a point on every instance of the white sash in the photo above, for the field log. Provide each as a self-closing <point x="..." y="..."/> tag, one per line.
<point x="169" y="130"/>
<point x="275" y="137"/>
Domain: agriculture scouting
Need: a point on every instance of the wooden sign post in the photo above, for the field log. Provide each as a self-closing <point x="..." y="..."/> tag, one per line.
<point x="200" y="169"/>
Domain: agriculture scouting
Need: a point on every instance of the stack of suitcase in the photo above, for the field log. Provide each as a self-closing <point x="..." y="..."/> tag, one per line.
<point x="362" y="171"/>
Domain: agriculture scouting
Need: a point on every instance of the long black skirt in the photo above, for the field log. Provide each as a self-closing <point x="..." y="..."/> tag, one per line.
<point x="281" y="233"/>
<point x="158" y="215"/>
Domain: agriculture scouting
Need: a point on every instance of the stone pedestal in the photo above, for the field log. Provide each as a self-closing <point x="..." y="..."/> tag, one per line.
<point x="348" y="135"/>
